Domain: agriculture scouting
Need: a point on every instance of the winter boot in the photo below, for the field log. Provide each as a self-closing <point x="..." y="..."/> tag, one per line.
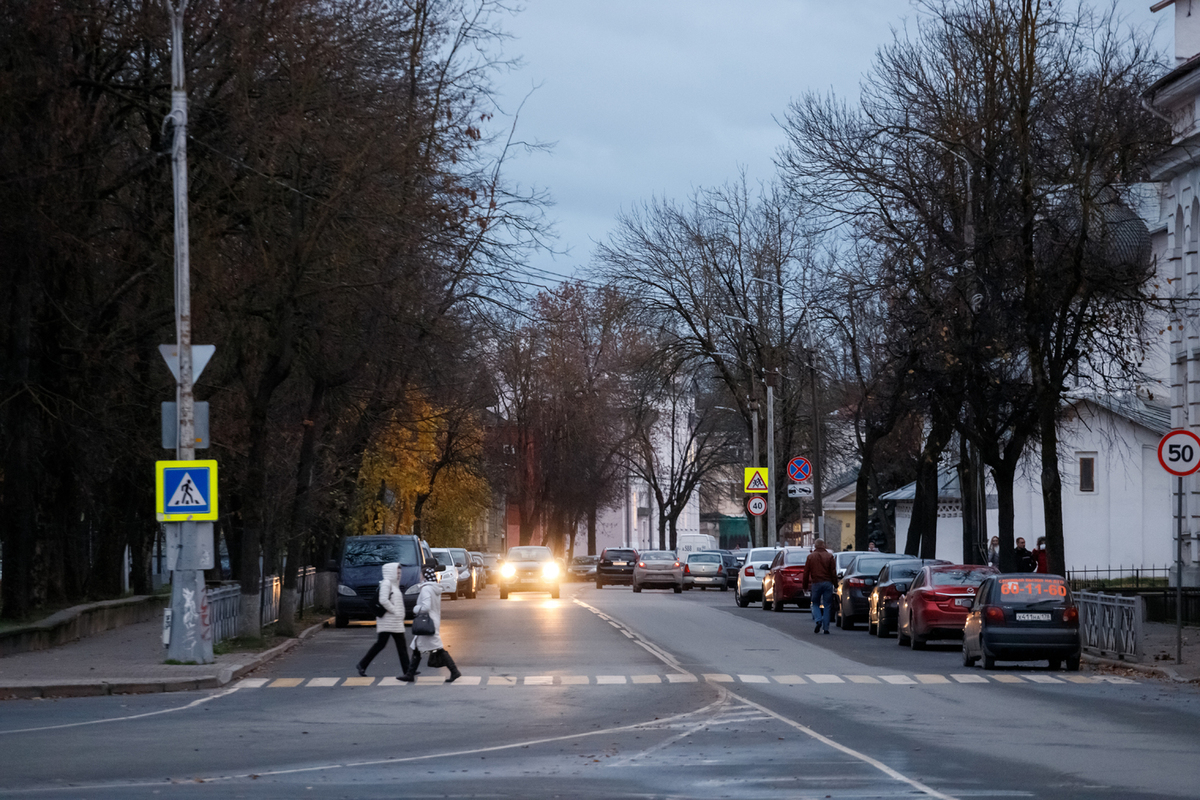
<point x="454" y="673"/>
<point x="362" y="669"/>
<point x="411" y="675"/>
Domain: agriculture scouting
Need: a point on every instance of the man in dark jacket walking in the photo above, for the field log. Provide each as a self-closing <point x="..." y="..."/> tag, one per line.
<point x="820" y="573"/>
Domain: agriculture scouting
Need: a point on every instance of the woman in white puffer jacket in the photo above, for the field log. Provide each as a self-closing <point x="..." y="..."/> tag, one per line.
<point x="391" y="624"/>
<point x="430" y="601"/>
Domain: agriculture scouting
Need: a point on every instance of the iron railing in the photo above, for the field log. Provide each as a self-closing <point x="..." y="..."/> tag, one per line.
<point x="224" y="609"/>
<point x="1119" y="578"/>
<point x="1111" y="625"/>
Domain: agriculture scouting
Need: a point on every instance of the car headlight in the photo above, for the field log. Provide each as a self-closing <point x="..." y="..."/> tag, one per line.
<point x="507" y="571"/>
<point x="550" y="571"/>
<point x="346" y="591"/>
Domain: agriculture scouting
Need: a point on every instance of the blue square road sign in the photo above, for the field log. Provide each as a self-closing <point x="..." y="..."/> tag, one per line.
<point x="185" y="491"/>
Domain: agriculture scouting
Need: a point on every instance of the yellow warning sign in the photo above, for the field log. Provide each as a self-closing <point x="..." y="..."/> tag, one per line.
<point x="756" y="479"/>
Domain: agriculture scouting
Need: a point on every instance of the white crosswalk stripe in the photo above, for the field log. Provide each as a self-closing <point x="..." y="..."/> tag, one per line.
<point x="827" y="681"/>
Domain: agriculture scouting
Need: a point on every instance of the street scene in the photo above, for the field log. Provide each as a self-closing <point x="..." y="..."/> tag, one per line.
<point x="607" y="693"/>
<point x="685" y="399"/>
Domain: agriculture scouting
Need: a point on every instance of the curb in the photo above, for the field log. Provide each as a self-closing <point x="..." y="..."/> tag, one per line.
<point x="100" y="688"/>
<point x="1168" y="673"/>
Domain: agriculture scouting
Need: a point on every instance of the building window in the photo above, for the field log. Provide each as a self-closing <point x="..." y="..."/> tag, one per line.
<point x="1087" y="474"/>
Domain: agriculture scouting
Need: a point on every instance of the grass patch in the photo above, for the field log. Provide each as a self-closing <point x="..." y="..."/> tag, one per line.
<point x="177" y="663"/>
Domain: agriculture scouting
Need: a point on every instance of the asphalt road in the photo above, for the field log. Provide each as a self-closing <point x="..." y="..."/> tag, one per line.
<point x="607" y="694"/>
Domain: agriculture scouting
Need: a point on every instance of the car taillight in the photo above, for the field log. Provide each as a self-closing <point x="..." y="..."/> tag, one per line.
<point x="994" y="615"/>
<point x="749" y="572"/>
<point x="858" y="582"/>
<point x="720" y="569"/>
<point x="687" y="569"/>
<point x="676" y="564"/>
<point x="889" y="591"/>
<point x="1071" y="615"/>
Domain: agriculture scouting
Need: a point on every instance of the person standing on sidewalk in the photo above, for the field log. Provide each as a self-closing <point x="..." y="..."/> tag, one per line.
<point x="820" y="572"/>
<point x="430" y="601"/>
<point x="391" y="624"/>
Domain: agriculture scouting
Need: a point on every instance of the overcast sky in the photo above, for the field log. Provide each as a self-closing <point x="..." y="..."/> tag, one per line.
<point x="644" y="98"/>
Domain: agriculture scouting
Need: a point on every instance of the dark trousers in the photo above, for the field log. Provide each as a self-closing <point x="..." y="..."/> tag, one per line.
<point x="381" y="642"/>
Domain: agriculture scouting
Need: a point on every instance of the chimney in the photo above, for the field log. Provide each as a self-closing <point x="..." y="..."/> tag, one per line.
<point x="1187" y="27"/>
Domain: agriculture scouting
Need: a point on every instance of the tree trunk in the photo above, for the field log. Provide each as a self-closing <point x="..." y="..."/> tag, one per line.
<point x="974" y="507"/>
<point x="1052" y="488"/>
<point x="591" y="530"/>
<point x="1005" y="477"/>
<point x="862" y="494"/>
<point x="922" y="529"/>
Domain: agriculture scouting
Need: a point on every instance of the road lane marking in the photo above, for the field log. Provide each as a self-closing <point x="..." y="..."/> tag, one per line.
<point x="184" y="707"/>
<point x="681" y="677"/>
<point x="539" y="680"/>
<point x="718" y="677"/>
<point x="897" y="679"/>
<point x="288" y="683"/>
<point x="825" y="679"/>
<point x="1008" y="678"/>
<point x="574" y="680"/>
<point x="609" y="679"/>
<point x="358" y="682"/>
<point x="501" y="680"/>
<point x="754" y="679"/>
<point x="391" y="681"/>
<point x="253" y="683"/>
<point x="970" y="678"/>
<point x="934" y="678"/>
<point x="789" y="679"/>
<point x="866" y="759"/>
<point x="1081" y="679"/>
<point x="323" y="682"/>
<point x="647" y="679"/>
<point x="862" y="679"/>
<point x="1043" y="679"/>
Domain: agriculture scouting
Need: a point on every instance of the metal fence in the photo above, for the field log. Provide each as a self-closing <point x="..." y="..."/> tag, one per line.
<point x="1119" y="578"/>
<point x="1110" y="625"/>
<point x="224" y="609"/>
<point x="225" y="603"/>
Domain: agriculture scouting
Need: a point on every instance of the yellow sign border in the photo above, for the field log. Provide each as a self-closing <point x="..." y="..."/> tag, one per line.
<point x="160" y="500"/>
<point x="750" y="472"/>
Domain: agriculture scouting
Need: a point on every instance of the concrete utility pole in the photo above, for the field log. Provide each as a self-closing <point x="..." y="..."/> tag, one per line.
<point x="191" y="631"/>
<point x="772" y="529"/>
<point x="758" y="540"/>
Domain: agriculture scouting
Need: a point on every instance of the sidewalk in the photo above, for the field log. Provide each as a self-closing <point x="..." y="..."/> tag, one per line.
<point x="126" y="660"/>
<point x="1159" y="646"/>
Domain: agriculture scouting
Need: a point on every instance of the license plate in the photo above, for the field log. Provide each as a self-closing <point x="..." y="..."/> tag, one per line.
<point x="1030" y="617"/>
<point x="963" y="601"/>
<point x="620" y="563"/>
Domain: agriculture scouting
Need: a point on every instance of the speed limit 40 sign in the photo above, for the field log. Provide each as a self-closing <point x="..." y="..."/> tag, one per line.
<point x="1179" y="452"/>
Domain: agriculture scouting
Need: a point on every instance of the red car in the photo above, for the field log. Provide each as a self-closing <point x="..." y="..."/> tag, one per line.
<point x="784" y="581"/>
<point x="937" y="602"/>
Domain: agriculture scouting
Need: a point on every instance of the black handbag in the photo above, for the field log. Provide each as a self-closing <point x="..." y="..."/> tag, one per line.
<point x="437" y="658"/>
<point x="422" y="625"/>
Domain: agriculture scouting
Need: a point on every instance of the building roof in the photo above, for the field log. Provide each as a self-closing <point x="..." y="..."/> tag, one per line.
<point x="1153" y="417"/>
<point x="948" y="488"/>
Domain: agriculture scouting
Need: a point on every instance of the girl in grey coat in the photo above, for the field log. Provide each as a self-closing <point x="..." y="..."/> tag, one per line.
<point x="430" y="600"/>
<point x="391" y="624"/>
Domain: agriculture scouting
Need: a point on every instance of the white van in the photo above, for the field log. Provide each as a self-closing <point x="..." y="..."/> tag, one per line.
<point x="695" y="542"/>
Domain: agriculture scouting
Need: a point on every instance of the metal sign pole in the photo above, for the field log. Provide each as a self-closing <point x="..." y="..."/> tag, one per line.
<point x="1179" y="579"/>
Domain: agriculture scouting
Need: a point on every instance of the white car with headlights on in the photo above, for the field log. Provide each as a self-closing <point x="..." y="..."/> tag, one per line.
<point x="530" y="569"/>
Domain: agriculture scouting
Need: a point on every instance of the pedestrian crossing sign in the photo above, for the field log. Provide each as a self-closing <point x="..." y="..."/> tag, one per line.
<point x="756" y="479"/>
<point x="185" y="491"/>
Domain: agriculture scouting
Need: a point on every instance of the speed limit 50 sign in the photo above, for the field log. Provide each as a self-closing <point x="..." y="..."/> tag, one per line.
<point x="1179" y="452"/>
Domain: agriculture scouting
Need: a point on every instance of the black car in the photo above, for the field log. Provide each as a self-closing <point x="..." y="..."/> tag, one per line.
<point x="892" y="581"/>
<point x="854" y="589"/>
<point x="1023" y="617"/>
<point x="360" y="569"/>
<point x="616" y="566"/>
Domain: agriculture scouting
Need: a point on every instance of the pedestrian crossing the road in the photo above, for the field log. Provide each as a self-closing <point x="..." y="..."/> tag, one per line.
<point x="817" y="679"/>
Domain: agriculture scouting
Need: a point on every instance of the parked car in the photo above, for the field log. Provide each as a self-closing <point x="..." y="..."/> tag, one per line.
<point x="466" y="572"/>
<point x="730" y="562"/>
<point x="784" y="581"/>
<point x="853" y="591"/>
<point x="1022" y="617"/>
<point x="530" y="568"/>
<point x="843" y="559"/>
<point x="478" y="569"/>
<point x="583" y="568"/>
<point x="750" y="577"/>
<point x="892" y="581"/>
<point x="659" y="569"/>
<point x="360" y="569"/>
<point x="447" y="573"/>
<point x="615" y="566"/>
<point x="937" y="602"/>
<point x="491" y="562"/>
<point x="705" y="569"/>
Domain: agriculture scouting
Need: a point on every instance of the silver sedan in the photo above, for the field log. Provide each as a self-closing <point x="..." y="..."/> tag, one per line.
<point x="660" y="569"/>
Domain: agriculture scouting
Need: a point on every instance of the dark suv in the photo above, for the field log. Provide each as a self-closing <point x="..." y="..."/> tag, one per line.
<point x="360" y="569"/>
<point x="616" y="566"/>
